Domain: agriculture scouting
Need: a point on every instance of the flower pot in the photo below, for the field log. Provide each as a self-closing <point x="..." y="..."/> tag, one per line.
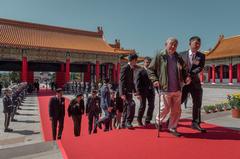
<point x="236" y="113"/>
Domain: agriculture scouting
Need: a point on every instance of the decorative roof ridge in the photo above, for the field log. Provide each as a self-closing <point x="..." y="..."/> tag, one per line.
<point x="220" y="39"/>
<point x="231" y="37"/>
<point x="52" y="28"/>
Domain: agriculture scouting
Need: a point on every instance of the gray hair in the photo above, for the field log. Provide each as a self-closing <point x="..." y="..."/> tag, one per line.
<point x="171" y="39"/>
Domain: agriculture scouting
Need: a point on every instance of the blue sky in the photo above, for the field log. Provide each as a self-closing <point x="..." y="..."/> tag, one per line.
<point x="143" y="25"/>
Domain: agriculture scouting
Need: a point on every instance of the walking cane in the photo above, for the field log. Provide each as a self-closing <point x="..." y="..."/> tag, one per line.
<point x="159" y="108"/>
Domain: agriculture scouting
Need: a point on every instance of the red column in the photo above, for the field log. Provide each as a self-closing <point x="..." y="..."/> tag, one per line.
<point x="213" y="74"/>
<point x="97" y="71"/>
<point x="67" y="70"/>
<point x="87" y="73"/>
<point x="238" y="73"/>
<point x="118" y="71"/>
<point x="201" y="77"/>
<point x="114" y="73"/>
<point x="24" y="69"/>
<point x="221" y="73"/>
<point x="230" y="74"/>
<point x="209" y="73"/>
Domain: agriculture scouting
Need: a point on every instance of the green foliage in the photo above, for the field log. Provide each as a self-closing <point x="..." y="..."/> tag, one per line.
<point x="209" y="108"/>
<point x="14" y="76"/>
<point x="234" y="101"/>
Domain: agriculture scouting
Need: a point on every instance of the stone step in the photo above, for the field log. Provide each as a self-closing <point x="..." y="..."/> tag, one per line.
<point x="29" y="150"/>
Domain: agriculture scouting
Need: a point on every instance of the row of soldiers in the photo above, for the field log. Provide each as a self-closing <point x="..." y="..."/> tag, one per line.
<point x="13" y="98"/>
<point x="75" y="87"/>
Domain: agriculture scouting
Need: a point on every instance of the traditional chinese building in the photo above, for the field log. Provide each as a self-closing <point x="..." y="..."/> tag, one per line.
<point x="29" y="47"/>
<point x="223" y="61"/>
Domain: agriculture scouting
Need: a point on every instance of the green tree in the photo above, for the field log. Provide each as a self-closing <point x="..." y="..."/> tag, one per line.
<point x="14" y="76"/>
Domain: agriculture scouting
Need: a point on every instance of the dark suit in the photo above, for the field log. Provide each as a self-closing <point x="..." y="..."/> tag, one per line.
<point x="127" y="87"/>
<point x="146" y="91"/>
<point x="76" y="110"/>
<point x="194" y="88"/>
<point x="93" y="110"/>
<point x="57" y="113"/>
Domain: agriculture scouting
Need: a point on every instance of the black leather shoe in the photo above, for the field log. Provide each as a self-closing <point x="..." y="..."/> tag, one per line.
<point x="59" y="137"/>
<point x="8" y="130"/>
<point x="198" y="127"/>
<point x="14" y="120"/>
<point x="175" y="133"/>
<point x="147" y="123"/>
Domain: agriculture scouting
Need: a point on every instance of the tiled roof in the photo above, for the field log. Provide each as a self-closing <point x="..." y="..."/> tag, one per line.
<point x="225" y="47"/>
<point x="29" y="35"/>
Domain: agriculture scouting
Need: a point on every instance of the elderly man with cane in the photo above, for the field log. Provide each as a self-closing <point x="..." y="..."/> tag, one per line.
<point x="167" y="71"/>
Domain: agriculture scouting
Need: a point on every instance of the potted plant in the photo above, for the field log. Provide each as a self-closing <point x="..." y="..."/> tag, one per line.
<point x="234" y="102"/>
<point x="206" y="109"/>
<point x="213" y="108"/>
<point x="226" y="106"/>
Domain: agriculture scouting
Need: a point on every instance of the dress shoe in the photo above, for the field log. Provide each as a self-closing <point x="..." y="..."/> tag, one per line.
<point x="8" y="130"/>
<point x="147" y="123"/>
<point x="17" y="113"/>
<point x="175" y="133"/>
<point x="59" y="137"/>
<point x="198" y="127"/>
<point x="14" y="120"/>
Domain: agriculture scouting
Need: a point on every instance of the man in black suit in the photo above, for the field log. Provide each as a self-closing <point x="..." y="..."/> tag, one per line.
<point x="126" y="90"/>
<point x="195" y="61"/>
<point x="145" y="92"/>
<point x="57" y="113"/>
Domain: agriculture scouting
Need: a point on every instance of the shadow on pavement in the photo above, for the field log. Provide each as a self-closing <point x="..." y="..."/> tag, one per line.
<point x="25" y="132"/>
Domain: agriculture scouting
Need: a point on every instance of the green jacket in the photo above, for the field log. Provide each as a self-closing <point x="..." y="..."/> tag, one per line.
<point x="157" y="70"/>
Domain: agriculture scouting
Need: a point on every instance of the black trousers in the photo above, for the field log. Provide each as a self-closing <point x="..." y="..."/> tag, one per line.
<point x="7" y="120"/>
<point x="150" y="97"/>
<point x="92" y="116"/>
<point x="128" y="110"/>
<point x="57" y="122"/>
<point x="77" y="124"/>
<point x="106" y="119"/>
<point x="196" y="94"/>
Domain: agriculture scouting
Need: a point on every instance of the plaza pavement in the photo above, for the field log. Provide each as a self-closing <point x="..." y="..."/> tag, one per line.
<point x="26" y="140"/>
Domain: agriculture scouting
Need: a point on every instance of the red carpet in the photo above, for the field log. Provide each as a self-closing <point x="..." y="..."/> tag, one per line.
<point x="141" y="143"/>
